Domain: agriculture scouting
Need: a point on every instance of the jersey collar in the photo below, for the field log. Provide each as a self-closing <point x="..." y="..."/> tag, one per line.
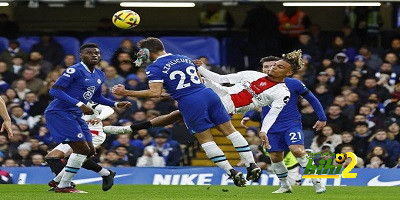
<point x="87" y="69"/>
<point x="165" y="55"/>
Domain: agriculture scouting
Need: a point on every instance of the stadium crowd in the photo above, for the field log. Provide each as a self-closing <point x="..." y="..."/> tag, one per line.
<point x="356" y="81"/>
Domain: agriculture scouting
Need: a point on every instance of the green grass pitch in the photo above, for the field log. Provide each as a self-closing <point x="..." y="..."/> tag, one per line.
<point x="123" y="192"/>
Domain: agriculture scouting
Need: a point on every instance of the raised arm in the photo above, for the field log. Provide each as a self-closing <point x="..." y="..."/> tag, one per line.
<point x="229" y="78"/>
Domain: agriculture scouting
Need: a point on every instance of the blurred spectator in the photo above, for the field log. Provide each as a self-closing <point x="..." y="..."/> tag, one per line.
<point x="394" y="129"/>
<point x="308" y="71"/>
<point x="112" y="78"/>
<point x="115" y="160"/>
<point x="12" y="96"/>
<point x="50" y="49"/>
<point x="349" y="148"/>
<point x="292" y="22"/>
<point x="69" y="60"/>
<point x="37" y="160"/>
<point x="181" y="134"/>
<point x="381" y="138"/>
<point x="35" y="146"/>
<point x="134" y="146"/>
<point x="393" y="59"/>
<point x="7" y="75"/>
<point x="12" y="51"/>
<point x="349" y="37"/>
<point x="376" y="162"/>
<point x="370" y="86"/>
<point x="386" y="77"/>
<point x="125" y="155"/>
<point x="144" y="136"/>
<point x="125" y="67"/>
<point x="215" y="18"/>
<point x="127" y="46"/>
<point x="132" y="82"/>
<point x="17" y="64"/>
<point x="338" y="46"/>
<point x="172" y="154"/>
<point x="21" y="88"/>
<point x="323" y="95"/>
<point x="10" y="163"/>
<point x="32" y="105"/>
<point x="23" y="156"/>
<point x="308" y="119"/>
<point x="366" y="22"/>
<point x="382" y="153"/>
<point x="139" y="116"/>
<point x="395" y="47"/>
<point x="308" y="46"/>
<point x="5" y="177"/>
<point x="150" y="158"/>
<point x="262" y="34"/>
<point x="251" y="136"/>
<point x="37" y="62"/>
<point x="347" y="139"/>
<point x="361" y="135"/>
<point x="375" y="115"/>
<point x="20" y="117"/>
<point x="141" y="74"/>
<point x="335" y="118"/>
<point x="210" y="67"/>
<point x="372" y="60"/>
<point x="8" y="151"/>
<point x="327" y="135"/>
<point x="33" y="83"/>
<point x="360" y="66"/>
<point x="3" y="85"/>
<point x="43" y="135"/>
<point x="8" y="28"/>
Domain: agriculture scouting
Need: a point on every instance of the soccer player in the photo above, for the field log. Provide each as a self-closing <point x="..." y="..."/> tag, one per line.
<point x="178" y="75"/>
<point x="6" y="126"/>
<point x="287" y="133"/>
<point x="78" y="84"/>
<point x="55" y="158"/>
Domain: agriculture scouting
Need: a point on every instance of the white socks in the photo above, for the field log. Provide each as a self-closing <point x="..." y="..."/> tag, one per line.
<point x="217" y="156"/>
<point x="242" y="147"/>
<point x="282" y="172"/>
<point x="303" y="163"/>
<point x="104" y="172"/>
<point x="74" y="163"/>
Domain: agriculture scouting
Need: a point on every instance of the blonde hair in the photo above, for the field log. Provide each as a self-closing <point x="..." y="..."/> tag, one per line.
<point x="294" y="58"/>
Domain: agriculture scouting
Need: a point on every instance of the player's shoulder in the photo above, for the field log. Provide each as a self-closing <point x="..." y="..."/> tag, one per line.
<point x="73" y="70"/>
<point x="293" y="81"/>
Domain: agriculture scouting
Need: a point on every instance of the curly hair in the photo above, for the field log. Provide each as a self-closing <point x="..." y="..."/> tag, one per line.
<point x="294" y="59"/>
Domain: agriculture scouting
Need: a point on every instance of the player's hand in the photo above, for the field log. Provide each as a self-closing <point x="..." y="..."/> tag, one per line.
<point x="244" y="122"/>
<point x="165" y="96"/>
<point x="7" y="127"/>
<point x="86" y="110"/>
<point x="119" y="90"/>
<point x="94" y="121"/>
<point x="264" y="140"/>
<point x="198" y="63"/>
<point x="319" y="125"/>
<point x="124" y="104"/>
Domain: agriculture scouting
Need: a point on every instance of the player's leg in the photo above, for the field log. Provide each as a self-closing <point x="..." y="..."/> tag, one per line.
<point x="294" y="138"/>
<point x="64" y="127"/>
<point x="215" y="154"/>
<point x="242" y="147"/>
<point x="90" y="164"/>
<point x="55" y="158"/>
<point x="162" y="120"/>
<point x="276" y="153"/>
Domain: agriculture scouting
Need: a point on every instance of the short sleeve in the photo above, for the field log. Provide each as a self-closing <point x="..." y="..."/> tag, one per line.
<point x="69" y="75"/>
<point x="154" y="74"/>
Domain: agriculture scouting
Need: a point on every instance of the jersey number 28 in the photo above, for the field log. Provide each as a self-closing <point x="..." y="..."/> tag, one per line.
<point x="191" y="71"/>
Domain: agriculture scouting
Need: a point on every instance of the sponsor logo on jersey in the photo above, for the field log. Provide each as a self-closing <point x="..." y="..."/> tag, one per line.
<point x="89" y="93"/>
<point x="286" y="99"/>
<point x="70" y="70"/>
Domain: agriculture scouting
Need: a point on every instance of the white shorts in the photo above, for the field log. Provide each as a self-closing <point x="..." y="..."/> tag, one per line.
<point x="97" y="140"/>
<point x="223" y="94"/>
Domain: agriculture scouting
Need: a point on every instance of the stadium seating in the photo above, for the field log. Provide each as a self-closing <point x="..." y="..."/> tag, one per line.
<point x="3" y="43"/>
<point x="109" y="45"/>
<point x="70" y="44"/>
<point x="194" y="47"/>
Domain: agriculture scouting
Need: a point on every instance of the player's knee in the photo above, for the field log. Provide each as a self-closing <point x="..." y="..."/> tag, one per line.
<point x="298" y="152"/>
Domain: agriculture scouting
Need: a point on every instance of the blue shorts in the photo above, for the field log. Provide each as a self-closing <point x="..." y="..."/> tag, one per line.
<point x="202" y="110"/>
<point x="65" y="127"/>
<point x="282" y="140"/>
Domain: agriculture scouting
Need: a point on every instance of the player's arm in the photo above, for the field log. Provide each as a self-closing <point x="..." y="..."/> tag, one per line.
<point x="7" y="120"/>
<point x="100" y="99"/>
<point x="246" y="118"/>
<point x="65" y="80"/>
<point x="228" y="78"/>
<point x="276" y="107"/>
<point x="315" y="104"/>
<point x="105" y="112"/>
<point x="154" y="91"/>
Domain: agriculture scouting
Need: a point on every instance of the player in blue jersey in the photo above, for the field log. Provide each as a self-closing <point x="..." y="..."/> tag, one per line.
<point x="201" y="107"/>
<point x="72" y="91"/>
<point x="287" y="133"/>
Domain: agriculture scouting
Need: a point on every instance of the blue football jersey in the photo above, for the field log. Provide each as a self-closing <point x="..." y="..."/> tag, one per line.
<point x="290" y="114"/>
<point x="177" y="73"/>
<point x="78" y="83"/>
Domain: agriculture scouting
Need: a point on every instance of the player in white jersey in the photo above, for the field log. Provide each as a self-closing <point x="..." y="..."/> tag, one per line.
<point x="55" y="157"/>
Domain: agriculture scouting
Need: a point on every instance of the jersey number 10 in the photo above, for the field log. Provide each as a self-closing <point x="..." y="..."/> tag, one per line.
<point x="191" y="71"/>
